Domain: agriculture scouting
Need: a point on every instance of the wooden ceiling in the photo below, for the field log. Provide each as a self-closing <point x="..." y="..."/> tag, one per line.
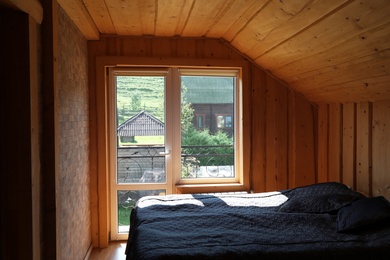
<point x="330" y="51"/>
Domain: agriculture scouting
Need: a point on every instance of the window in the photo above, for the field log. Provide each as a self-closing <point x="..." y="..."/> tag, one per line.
<point x="200" y="121"/>
<point x="224" y="121"/>
<point x="176" y="148"/>
<point x="228" y="121"/>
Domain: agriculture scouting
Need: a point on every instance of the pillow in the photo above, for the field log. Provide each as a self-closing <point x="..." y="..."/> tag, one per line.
<point x="318" y="198"/>
<point x="363" y="213"/>
<point x="316" y="204"/>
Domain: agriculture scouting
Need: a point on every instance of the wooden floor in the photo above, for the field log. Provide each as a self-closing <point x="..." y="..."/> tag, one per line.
<point x="114" y="251"/>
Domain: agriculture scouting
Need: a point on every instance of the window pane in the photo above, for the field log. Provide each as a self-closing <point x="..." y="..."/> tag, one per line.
<point x="207" y="152"/>
<point x="140" y="129"/>
<point x="126" y="202"/>
<point x="228" y="121"/>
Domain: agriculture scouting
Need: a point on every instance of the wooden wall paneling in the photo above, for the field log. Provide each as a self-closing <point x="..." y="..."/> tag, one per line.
<point x="112" y="48"/>
<point x="173" y="45"/>
<point x="305" y="142"/>
<point x="216" y="49"/>
<point x="258" y="154"/>
<point x="146" y="46"/>
<point x="246" y="129"/>
<point x="161" y="47"/>
<point x="363" y="147"/>
<point x="349" y="144"/>
<point x="381" y="149"/>
<point x="292" y="140"/>
<point x="186" y="48"/>
<point x="334" y="152"/>
<point x="271" y="174"/>
<point x="281" y="136"/>
<point x="323" y="130"/>
<point x="200" y="46"/>
<point x="133" y="47"/>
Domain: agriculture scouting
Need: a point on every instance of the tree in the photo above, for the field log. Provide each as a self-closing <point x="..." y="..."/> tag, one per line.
<point x="135" y="101"/>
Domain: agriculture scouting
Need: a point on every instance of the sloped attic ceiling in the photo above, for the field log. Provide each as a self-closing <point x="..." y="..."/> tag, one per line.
<point x="330" y="51"/>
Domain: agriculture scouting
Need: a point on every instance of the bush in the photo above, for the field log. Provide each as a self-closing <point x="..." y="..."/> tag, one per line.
<point x="203" y="139"/>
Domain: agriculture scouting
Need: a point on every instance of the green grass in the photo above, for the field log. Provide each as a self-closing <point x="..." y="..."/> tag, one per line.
<point x="124" y="216"/>
<point x="139" y="140"/>
<point x="137" y="93"/>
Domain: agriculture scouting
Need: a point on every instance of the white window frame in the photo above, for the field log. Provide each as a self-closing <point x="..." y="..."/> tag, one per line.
<point x="238" y="137"/>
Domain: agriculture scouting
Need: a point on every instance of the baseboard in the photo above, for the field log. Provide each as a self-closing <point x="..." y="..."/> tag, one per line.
<point x="89" y="252"/>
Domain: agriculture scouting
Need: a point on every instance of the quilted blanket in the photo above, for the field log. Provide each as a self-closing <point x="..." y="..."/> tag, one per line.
<point x="298" y="223"/>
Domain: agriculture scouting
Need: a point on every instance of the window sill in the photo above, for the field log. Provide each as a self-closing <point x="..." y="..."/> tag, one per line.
<point x="210" y="188"/>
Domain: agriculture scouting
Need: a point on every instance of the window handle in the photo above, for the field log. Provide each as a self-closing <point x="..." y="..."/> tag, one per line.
<point x="165" y="153"/>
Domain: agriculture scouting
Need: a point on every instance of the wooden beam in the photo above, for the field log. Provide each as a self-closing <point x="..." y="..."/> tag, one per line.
<point x="80" y="16"/>
<point x="50" y="144"/>
<point x="32" y="7"/>
<point x="35" y="142"/>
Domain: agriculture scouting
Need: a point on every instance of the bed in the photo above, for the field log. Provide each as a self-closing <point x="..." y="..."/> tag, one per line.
<point x="319" y="221"/>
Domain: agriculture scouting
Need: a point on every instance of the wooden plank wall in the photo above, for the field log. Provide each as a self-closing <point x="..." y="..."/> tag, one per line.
<point x="283" y="123"/>
<point x="354" y="145"/>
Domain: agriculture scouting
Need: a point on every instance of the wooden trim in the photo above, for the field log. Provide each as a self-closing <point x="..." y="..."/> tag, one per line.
<point x="79" y="14"/>
<point x="126" y="61"/>
<point x="88" y="254"/>
<point x="32" y="7"/>
<point x="102" y="153"/>
<point x="35" y="149"/>
<point x="50" y="144"/>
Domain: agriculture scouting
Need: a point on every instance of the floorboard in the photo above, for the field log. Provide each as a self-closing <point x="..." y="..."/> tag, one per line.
<point x="114" y="251"/>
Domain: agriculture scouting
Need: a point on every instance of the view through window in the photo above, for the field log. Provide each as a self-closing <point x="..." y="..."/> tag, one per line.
<point x="145" y="134"/>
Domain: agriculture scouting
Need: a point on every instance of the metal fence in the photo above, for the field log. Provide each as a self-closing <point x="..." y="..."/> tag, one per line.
<point x="137" y="164"/>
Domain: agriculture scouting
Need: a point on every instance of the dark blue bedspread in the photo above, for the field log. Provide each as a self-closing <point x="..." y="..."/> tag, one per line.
<point x="271" y="225"/>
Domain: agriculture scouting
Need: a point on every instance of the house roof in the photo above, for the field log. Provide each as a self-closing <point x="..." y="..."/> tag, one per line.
<point x="209" y="90"/>
<point x="142" y="124"/>
<point x="330" y="51"/>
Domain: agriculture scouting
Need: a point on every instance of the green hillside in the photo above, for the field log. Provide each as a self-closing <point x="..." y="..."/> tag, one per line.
<point x="136" y="93"/>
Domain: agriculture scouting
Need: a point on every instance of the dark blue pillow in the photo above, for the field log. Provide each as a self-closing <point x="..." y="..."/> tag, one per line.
<point x="363" y="213"/>
<point x="325" y="197"/>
